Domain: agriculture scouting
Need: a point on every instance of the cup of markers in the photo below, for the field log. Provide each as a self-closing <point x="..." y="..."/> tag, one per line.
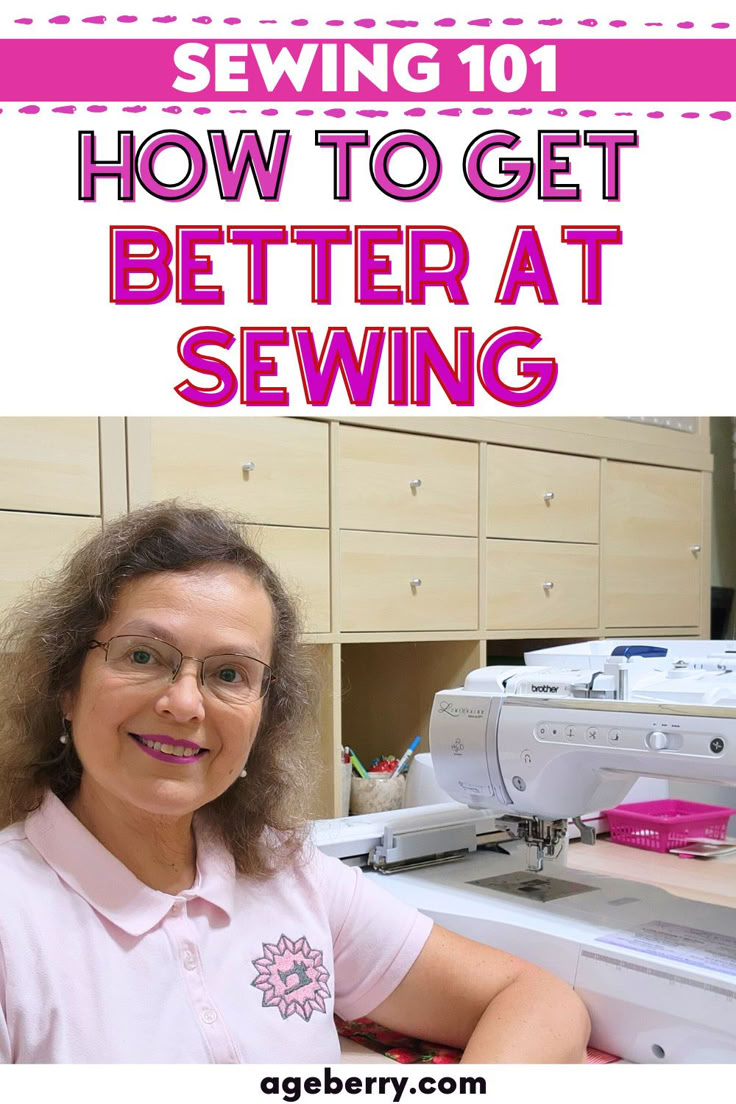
<point x="382" y="788"/>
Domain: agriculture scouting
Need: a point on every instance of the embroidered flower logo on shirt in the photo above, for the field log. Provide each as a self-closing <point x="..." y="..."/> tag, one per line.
<point x="292" y="978"/>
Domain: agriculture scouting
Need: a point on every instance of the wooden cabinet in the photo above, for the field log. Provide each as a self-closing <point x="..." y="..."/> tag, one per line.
<point x="32" y="545"/>
<point x="50" y="465"/>
<point x="536" y="495"/>
<point x="302" y="559"/>
<point x="272" y="470"/>
<point x="397" y="582"/>
<point x="541" y="583"/>
<point x="59" y="479"/>
<point x="407" y="483"/>
<point x="653" y="546"/>
<point x="407" y="508"/>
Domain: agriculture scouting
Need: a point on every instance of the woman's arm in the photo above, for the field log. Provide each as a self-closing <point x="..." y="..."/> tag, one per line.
<point x="494" y="1006"/>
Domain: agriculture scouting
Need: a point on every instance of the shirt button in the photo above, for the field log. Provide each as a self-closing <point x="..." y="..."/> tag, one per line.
<point x="176" y="907"/>
<point x="189" y="962"/>
<point x="209" y="1016"/>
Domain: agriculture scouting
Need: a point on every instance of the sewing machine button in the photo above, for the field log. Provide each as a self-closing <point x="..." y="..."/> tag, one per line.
<point x="717" y="745"/>
<point x="570" y="732"/>
<point x="614" y="736"/>
<point x="554" y="731"/>
<point x="541" y="731"/>
<point x="657" y="741"/>
<point x="592" y="735"/>
<point x="518" y="782"/>
<point x="526" y="758"/>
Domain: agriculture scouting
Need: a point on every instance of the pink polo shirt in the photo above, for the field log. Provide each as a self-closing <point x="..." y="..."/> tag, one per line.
<point x="97" y="967"/>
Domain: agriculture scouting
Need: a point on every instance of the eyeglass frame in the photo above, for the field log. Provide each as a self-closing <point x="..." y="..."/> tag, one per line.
<point x="105" y="645"/>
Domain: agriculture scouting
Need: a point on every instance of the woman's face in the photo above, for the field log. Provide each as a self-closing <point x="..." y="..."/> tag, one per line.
<point x="117" y="713"/>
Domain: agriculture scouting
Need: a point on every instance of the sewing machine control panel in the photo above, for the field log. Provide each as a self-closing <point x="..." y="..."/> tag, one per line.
<point x="558" y="760"/>
<point x="662" y="737"/>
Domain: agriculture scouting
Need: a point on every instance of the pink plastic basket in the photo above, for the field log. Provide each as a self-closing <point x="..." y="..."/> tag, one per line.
<point x="661" y="825"/>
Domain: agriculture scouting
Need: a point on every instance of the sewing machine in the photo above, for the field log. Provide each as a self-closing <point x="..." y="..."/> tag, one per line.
<point x="524" y="750"/>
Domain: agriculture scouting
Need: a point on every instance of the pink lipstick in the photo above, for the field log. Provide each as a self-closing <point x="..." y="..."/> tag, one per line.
<point x="156" y="753"/>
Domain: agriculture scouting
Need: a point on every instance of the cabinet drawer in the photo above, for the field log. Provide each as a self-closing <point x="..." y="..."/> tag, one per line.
<point x="520" y="483"/>
<point x="50" y="464"/>
<point x="403" y="482"/>
<point x="652" y="546"/>
<point x="35" y="544"/>
<point x="302" y="559"/>
<point x="286" y="481"/>
<point x="517" y="596"/>
<point x="376" y="572"/>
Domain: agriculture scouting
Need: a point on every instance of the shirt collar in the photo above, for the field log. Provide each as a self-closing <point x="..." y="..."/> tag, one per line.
<point x="108" y="886"/>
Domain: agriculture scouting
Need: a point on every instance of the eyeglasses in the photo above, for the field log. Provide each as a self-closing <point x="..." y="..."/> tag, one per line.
<point x="234" y="678"/>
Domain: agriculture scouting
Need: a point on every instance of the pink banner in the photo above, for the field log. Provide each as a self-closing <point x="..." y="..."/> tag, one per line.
<point x="462" y="70"/>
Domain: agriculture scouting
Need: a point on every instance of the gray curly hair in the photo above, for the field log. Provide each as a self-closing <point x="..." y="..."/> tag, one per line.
<point x="46" y="637"/>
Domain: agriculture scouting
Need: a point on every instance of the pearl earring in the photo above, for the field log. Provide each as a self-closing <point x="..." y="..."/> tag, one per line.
<point x="65" y="726"/>
<point x="243" y="773"/>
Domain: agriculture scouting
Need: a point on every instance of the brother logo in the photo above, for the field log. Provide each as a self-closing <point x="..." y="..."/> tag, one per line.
<point x="544" y="689"/>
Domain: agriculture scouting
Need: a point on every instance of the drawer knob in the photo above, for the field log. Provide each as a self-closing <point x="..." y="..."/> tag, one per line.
<point x="548" y="586"/>
<point x="415" y="484"/>
<point x="695" y="548"/>
<point x="414" y="583"/>
<point x="549" y="496"/>
<point x="248" y="466"/>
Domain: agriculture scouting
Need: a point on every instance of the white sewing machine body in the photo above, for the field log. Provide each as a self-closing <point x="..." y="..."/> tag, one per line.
<point x="657" y="972"/>
<point x="505" y="742"/>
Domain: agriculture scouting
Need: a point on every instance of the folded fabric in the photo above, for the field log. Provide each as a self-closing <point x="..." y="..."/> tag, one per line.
<point x="402" y="1048"/>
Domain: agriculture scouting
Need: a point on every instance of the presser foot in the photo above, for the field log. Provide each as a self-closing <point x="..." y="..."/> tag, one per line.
<point x="542" y="838"/>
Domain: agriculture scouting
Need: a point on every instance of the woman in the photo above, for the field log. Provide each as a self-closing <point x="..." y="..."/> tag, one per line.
<point x="159" y="677"/>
